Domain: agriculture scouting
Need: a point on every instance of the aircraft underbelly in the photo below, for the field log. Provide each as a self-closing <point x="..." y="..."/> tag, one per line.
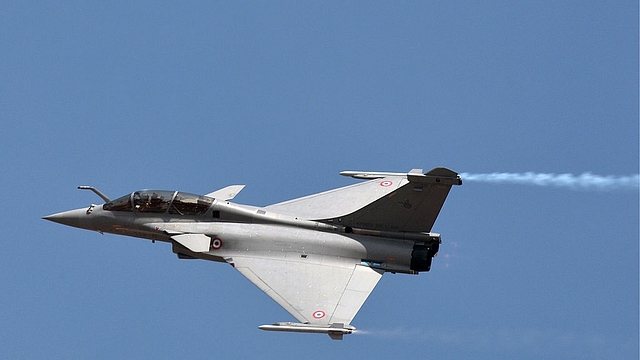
<point x="276" y="239"/>
<point x="294" y="244"/>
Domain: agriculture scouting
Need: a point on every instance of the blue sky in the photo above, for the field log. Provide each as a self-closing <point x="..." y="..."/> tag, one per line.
<point x="281" y="96"/>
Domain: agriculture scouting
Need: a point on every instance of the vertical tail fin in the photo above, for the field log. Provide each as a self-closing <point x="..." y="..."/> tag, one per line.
<point x="413" y="207"/>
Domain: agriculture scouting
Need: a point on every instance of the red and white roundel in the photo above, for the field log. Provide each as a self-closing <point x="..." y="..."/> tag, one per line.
<point x="319" y="314"/>
<point x="216" y="243"/>
<point x="386" y="183"/>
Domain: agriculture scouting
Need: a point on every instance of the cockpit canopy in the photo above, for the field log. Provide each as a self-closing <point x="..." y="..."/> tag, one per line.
<point x="161" y="201"/>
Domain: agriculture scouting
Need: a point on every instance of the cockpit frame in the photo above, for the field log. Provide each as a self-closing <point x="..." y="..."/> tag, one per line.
<point x="161" y="202"/>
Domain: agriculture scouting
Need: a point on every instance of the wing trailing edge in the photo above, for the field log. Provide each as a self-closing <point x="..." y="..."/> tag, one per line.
<point x="328" y="290"/>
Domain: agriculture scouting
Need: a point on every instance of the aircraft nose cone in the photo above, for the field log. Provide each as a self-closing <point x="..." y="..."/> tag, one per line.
<point x="76" y="218"/>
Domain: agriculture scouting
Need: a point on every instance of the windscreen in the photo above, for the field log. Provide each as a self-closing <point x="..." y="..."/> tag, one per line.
<point x="120" y="204"/>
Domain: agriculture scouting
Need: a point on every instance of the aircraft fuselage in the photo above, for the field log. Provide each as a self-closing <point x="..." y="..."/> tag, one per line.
<point x="261" y="231"/>
<point x="318" y="256"/>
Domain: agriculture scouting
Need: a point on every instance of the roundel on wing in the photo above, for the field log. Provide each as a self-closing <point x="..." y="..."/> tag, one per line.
<point x="319" y="314"/>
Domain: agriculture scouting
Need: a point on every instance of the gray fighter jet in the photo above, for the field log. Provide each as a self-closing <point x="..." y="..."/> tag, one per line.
<point x="319" y="256"/>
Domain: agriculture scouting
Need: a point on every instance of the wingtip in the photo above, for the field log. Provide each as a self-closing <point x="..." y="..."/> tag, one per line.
<point x="335" y="331"/>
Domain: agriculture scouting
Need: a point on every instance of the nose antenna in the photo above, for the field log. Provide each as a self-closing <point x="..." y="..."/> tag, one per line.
<point x="98" y="192"/>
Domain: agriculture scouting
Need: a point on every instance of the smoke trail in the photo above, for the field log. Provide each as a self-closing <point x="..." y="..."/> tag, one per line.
<point x="529" y="340"/>
<point x="586" y="181"/>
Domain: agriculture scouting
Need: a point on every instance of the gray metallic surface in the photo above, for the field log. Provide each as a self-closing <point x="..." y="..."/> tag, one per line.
<point x="319" y="256"/>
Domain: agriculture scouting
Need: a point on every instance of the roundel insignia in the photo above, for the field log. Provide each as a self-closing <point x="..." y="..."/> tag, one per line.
<point x="386" y="183"/>
<point x="319" y="314"/>
<point x="216" y="243"/>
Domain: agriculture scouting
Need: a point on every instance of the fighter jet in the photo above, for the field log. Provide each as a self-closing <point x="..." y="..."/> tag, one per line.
<point x="319" y="256"/>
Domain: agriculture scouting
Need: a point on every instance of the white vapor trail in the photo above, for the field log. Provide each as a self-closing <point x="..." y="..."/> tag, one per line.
<point x="586" y="181"/>
<point x="529" y="340"/>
